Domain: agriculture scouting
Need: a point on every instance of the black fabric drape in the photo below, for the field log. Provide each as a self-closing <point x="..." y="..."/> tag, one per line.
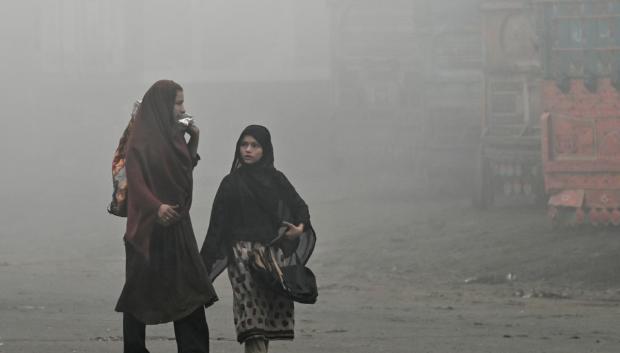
<point x="251" y="203"/>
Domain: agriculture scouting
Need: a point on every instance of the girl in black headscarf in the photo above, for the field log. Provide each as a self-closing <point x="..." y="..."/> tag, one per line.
<point x="252" y="203"/>
<point x="166" y="279"/>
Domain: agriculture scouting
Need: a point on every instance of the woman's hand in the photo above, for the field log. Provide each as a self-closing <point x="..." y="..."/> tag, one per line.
<point x="293" y="231"/>
<point x="193" y="130"/>
<point x="194" y="136"/>
<point x="166" y="215"/>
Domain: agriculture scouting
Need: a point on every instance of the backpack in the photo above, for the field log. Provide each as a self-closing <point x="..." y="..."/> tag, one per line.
<point x="118" y="205"/>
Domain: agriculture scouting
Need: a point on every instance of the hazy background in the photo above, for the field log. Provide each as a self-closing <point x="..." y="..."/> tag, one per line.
<point x="359" y="96"/>
<point x="373" y="98"/>
<point x="375" y="108"/>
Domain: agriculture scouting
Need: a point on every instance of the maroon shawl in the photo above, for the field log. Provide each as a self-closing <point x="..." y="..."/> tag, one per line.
<point x="158" y="165"/>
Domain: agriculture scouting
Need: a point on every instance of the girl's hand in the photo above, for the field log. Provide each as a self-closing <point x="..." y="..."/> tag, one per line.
<point x="293" y="230"/>
<point x="166" y="215"/>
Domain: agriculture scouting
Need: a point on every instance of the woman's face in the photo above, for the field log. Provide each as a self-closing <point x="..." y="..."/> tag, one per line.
<point x="179" y="109"/>
<point x="250" y="150"/>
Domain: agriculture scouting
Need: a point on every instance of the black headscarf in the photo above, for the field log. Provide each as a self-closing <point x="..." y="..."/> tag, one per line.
<point x="262" y="135"/>
<point x="261" y="190"/>
<point x="259" y="182"/>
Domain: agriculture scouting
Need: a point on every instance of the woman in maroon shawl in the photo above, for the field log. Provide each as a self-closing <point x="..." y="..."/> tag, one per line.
<point x="166" y="279"/>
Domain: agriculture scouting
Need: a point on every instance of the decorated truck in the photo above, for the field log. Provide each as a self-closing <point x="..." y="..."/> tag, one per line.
<point x="580" y="43"/>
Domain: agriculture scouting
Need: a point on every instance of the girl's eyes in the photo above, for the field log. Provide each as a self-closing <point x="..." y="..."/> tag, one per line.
<point x="253" y="145"/>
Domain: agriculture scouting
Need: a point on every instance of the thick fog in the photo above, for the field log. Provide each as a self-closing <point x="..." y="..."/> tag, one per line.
<point x="365" y="101"/>
<point x="72" y="70"/>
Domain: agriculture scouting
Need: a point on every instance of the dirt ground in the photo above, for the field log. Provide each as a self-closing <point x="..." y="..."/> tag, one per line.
<point x="397" y="273"/>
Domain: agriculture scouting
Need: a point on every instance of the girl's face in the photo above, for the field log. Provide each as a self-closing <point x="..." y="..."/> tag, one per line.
<point x="250" y="150"/>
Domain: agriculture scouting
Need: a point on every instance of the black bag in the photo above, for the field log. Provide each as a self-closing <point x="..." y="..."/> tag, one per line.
<point x="293" y="279"/>
<point x="300" y="283"/>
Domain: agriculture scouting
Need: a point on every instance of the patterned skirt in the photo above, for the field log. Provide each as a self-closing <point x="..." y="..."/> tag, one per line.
<point x="258" y="311"/>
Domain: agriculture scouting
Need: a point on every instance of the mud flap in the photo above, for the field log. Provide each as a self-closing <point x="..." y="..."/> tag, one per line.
<point x="568" y="198"/>
<point x="565" y="208"/>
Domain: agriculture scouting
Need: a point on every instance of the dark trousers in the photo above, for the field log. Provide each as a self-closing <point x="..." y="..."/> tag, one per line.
<point x="191" y="332"/>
